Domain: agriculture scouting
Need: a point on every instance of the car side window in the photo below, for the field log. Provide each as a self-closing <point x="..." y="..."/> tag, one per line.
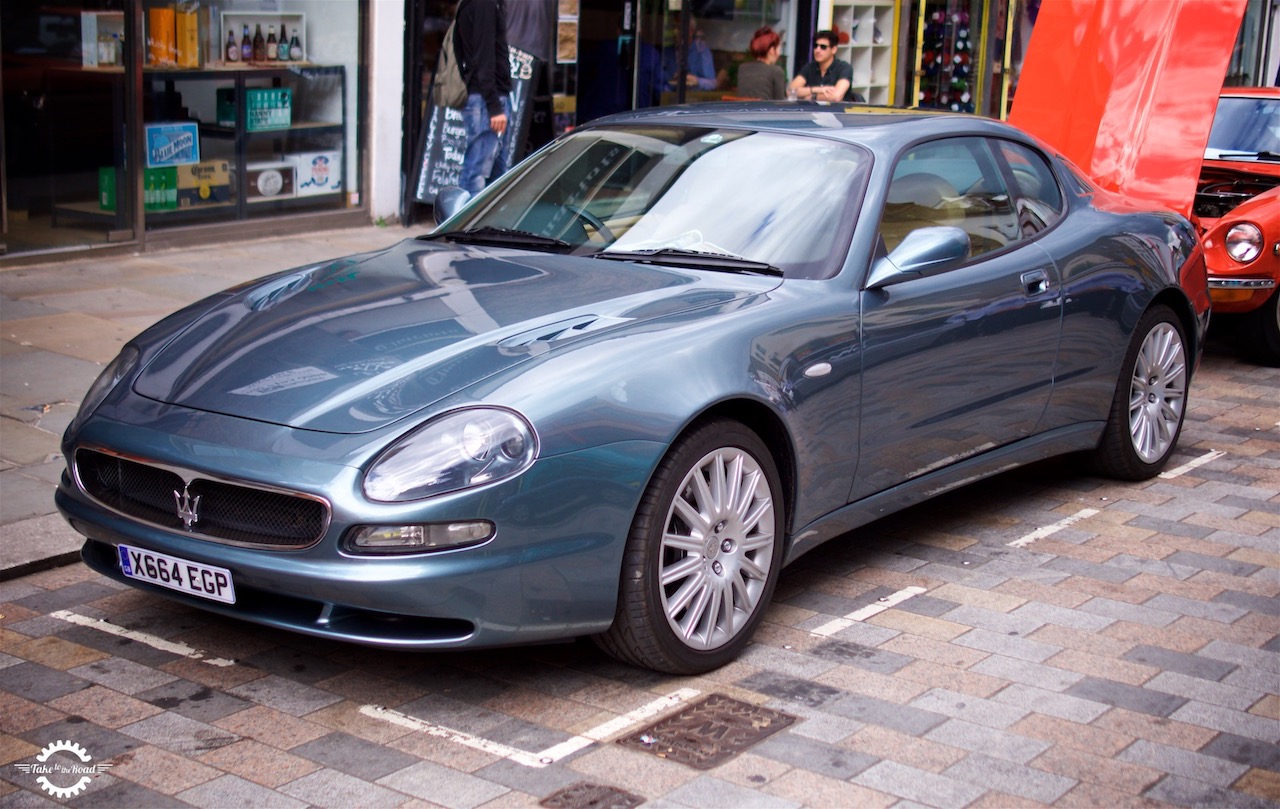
<point x="955" y="182"/>
<point x="1038" y="199"/>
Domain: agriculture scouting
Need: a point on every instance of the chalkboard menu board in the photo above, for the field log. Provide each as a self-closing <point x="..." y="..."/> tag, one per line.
<point x="444" y="138"/>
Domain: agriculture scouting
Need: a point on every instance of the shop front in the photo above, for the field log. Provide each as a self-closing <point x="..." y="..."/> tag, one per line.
<point x="141" y="121"/>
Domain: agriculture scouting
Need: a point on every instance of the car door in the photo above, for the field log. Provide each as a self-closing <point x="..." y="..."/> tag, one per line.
<point x="959" y="362"/>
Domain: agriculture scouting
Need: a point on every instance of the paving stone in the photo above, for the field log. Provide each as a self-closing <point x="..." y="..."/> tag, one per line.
<point x="1211" y="716"/>
<point x="1242" y="655"/>
<point x="178" y="733"/>
<point x="440" y="785"/>
<point x="1011" y="778"/>
<point x="1090" y="570"/>
<point x="285" y="695"/>
<point x="193" y="700"/>
<point x="122" y="675"/>
<point x="969" y="708"/>
<point x="1134" y="613"/>
<point x="1202" y="561"/>
<point x="1027" y="672"/>
<point x="1184" y="763"/>
<point x="713" y="793"/>
<point x="1042" y="613"/>
<point x="1191" y="665"/>
<point x="337" y="790"/>
<point x="40" y="683"/>
<point x="1201" y="690"/>
<point x="1224" y="613"/>
<point x="791" y="689"/>
<point x="925" y="788"/>
<point x="1243" y="750"/>
<point x="100" y="742"/>
<point x="1051" y="703"/>
<point x="998" y="743"/>
<point x="872" y="711"/>
<point x="231" y="790"/>
<point x="863" y="657"/>
<point x="1141" y="700"/>
<point x="1008" y="645"/>
<point x="1188" y="792"/>
<point x="814" y="756"/>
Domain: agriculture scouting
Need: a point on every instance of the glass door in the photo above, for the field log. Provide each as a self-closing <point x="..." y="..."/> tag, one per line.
<point x="64" y="76"/>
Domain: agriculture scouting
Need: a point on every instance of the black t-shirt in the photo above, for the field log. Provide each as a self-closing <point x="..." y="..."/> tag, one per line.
<point x="840" y="69"/>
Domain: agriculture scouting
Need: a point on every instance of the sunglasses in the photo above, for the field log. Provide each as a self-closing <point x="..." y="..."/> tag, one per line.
<point x="821" y="47"/>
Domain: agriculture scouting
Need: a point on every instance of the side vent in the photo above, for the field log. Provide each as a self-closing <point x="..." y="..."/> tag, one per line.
<point x="556" y="332"/>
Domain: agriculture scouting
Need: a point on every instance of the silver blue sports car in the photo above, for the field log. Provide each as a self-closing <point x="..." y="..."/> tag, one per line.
<point x="615" y="394"/>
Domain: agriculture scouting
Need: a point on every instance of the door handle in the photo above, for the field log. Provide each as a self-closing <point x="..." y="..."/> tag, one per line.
<point x="1035" y="282"/>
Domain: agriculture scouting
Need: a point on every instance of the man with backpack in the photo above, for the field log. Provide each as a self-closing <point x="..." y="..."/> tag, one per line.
<point x="480" y="44"/>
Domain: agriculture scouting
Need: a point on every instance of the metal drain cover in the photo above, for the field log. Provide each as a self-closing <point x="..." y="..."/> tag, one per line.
<point x="591" y="796"/>
<point x="708" y="732"/>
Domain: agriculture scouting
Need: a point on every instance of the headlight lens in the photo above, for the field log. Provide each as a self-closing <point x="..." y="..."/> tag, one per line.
<point x="463" y="449"/>
<point x="1244" y="242"/>
<point x="117" y="369"/>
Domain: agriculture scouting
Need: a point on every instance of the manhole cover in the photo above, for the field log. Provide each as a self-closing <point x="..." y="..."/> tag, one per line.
<point x="591" y="796"/>
<point x="709" y="732"/>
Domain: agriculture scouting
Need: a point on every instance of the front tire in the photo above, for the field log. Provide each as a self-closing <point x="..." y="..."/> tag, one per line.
<point x="1150" y="400"/>
<point x="703" y="554"/>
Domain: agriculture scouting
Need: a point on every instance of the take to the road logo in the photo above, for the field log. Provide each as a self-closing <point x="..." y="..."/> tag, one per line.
<point x="64" y="776"/>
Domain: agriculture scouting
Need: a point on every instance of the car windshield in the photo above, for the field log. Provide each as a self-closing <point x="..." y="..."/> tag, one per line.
<point x="1246" y="128"/>
<point x="756" y="201"/>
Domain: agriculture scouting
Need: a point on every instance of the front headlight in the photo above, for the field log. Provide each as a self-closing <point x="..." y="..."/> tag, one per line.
<point x="462" y="449"/>
<point x="117" y="369"/>
<point x="1244" y="242"/>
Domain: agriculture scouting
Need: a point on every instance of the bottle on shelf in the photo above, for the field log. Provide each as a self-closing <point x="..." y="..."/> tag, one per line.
<point x="233" y="47"/>
<point x="272" y="49"/>
<point x="295" y="47"/>
<point x="283" y="46"/>
<point x="246" y="46"/>
<point x="259" y="45"/>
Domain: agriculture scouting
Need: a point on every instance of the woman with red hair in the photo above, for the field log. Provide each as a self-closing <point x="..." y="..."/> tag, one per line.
<point x="761" y="77"/>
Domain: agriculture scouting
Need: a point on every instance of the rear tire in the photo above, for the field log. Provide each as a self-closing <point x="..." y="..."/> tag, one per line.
<point x="1150" y="400"/>
<point x="703" y="554"/>
<point x="1259" y="332"/>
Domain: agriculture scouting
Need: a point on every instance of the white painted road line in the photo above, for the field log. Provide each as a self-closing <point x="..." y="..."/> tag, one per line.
<point x="1048" y="530"/>
<point x="1189" y="465"/>
<point x="552" y="754"/>
<point x="834" y="626"/>
<point x="141" y="637"/>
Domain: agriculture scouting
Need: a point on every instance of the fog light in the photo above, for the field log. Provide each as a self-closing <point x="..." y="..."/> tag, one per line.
<point x="396" y="539"/>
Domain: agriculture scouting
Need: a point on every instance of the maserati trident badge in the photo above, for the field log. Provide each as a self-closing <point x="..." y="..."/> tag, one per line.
<point x="188" y="508"/>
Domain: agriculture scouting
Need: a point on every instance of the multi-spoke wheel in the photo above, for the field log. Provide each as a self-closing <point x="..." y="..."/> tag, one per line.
<point x="703" y="554"/>
<point x="1150" y="401"/>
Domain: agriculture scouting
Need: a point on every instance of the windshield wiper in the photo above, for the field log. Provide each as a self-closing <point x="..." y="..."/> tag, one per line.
<point x="1238" y="155"/>
<point x="492" y="235"/>
<point x="678" y="257"/>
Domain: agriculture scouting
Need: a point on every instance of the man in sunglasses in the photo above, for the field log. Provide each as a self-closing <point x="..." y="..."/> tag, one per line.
<point x="826" y="78"/>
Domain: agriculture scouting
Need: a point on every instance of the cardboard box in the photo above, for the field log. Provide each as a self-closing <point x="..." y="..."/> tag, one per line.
<point x="318" y="172"/>
<point x="162" y="37"/>
<point x="267" y="181"/>
<point x="266" y="108"/>
<point x="205" y="183"/>
<point x="187" y="37"/>
<point x="101" y="36"/>
<point x="172" y="144"/>
<point x="160" y="189"/>
<point x="107" y="188"/>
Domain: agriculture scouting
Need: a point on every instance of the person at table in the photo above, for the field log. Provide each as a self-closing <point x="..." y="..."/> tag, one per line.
<point x="761" y="77"/>
<point x="700" y="67"/>
<point x="826" y="78"/>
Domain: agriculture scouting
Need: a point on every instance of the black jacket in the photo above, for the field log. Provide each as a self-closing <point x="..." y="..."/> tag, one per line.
<point x="480" y="43"/>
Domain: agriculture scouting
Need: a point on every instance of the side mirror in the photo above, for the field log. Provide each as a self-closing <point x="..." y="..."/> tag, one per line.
<point x="449" y="200"/>
<point x="924" y="251"/>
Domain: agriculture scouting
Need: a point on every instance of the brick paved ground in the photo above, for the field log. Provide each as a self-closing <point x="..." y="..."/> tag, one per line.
<point x="1079" y="642"/>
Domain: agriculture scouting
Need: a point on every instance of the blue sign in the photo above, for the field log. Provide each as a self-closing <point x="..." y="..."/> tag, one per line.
<point x="175" y="144"/>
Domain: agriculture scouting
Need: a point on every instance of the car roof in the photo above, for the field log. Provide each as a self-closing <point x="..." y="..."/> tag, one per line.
<point x="1250" y="92"/>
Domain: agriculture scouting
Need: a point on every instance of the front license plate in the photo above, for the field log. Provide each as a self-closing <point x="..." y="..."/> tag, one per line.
<point x="192" y="578"/>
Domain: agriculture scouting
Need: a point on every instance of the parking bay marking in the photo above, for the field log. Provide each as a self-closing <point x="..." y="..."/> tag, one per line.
<point x="1192" y="464"/>
<point x="835" y="625"/>
<point x="552" y="754"/>
<point x="1049" y="530"/>
<point x="154" y="642"/>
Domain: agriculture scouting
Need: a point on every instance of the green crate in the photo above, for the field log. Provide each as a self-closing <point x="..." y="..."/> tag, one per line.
<point x="265" y="108"/>
<point x="159" y="188"/>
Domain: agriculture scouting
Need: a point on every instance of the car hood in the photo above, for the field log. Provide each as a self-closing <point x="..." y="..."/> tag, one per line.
<point x="354" y="345"/>
<point x="1127" y="91"/>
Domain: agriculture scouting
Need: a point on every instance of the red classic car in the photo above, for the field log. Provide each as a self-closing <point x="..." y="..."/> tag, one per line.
<point x="1237" y="207"/>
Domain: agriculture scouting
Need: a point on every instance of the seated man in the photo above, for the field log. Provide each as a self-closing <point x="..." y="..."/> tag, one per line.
<point x="826" y="78"/>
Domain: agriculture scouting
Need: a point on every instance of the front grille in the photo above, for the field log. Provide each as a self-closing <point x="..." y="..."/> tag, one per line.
<point x="227" y="512"/>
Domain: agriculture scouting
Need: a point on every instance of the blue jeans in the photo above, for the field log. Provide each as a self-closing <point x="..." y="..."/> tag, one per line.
<point x="485" y="157"/>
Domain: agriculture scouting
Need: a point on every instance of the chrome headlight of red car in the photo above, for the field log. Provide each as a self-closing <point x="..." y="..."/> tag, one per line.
<point x="1244" y="242"/>
<point x="463" y="449"/>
